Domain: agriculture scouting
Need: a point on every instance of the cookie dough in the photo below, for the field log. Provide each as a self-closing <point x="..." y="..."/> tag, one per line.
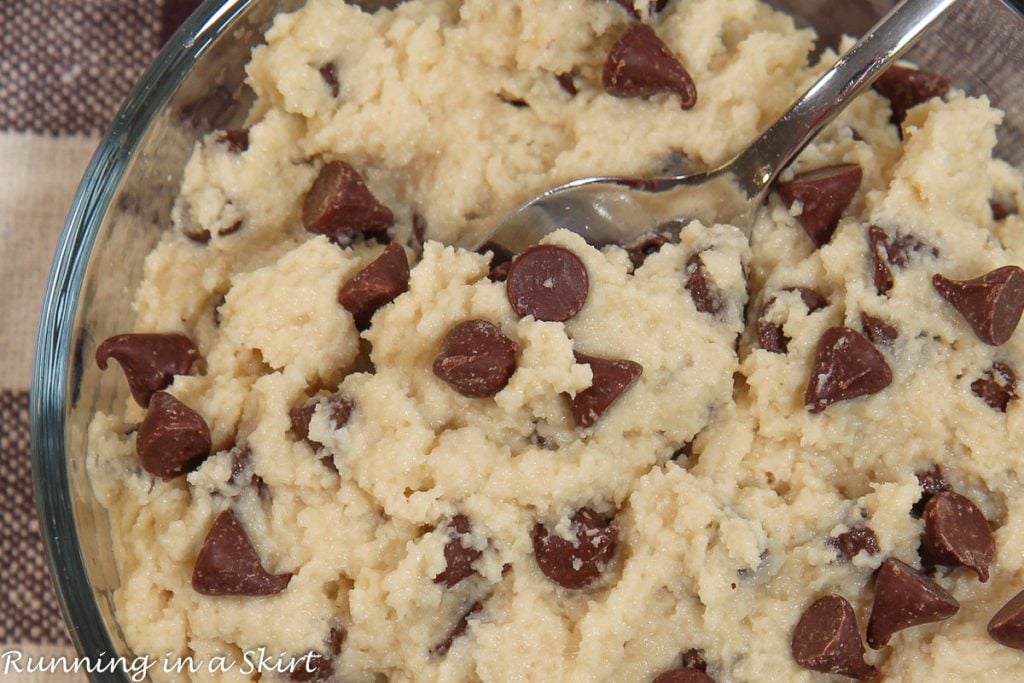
<point x="681" y="458"/>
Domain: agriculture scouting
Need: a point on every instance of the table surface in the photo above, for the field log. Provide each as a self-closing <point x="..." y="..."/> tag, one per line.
<point x="65" y="67"/>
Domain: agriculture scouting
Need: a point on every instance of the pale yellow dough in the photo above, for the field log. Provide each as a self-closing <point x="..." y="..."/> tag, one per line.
<point x="720" y="550"/>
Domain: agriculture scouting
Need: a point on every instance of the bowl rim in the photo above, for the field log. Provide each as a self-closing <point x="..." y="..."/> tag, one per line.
<point x="49" y="394"/>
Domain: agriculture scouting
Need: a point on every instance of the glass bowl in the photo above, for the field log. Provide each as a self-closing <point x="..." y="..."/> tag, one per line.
<point x="196" y="85"/>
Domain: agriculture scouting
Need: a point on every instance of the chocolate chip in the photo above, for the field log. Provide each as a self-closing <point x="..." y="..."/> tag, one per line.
<point x="318" y="666"/>
<point x="330" y="76"/>
<point x="655" y="6"/>
<point x="1002" y="209"/>
<point x="547" y="282"/>
<point x="512" y="100"/>
<point x="340" y="205"/>
<point x="705" y="294"/>
<point x="991" y="304"/>
<point x="997" y="387"/>
<point x="684" y="675"/>
<point x="501" y="260"/>
<point x="694" y="659"/>
<point x="476" y="359"/>
<point x="241" y="469"/>
<point x="419" y="233"/>
<point x="441" y="649"/>
<point x="859" y="538"/>
<point x="906" y="88"/>
<point x="931" y="482"/>
<point x="459" y="556"/>
<point x="611" y="378"/>
<point x="889" y="250"/>
<point x="149" y="361"/>
<point x="1007" y="625"/>
<point x="824" y="194"/>
<point x="376" y="285"/>
<point x="196" y="234"/>
<point x="578" y="562"/>
<point x="827" y="640"/>
<point x="639" y="250"/>
<point x="228" y="564"/>
<point x="230" y="230"/>
<point x="956" y="534"/>
<point x="641" y="65"/>
<point x="339" y="410"/>
<point x="769" y="334"/>
<point x="905" y="598"/>
<point x="877" y="330"/>
<point x="568" y="82"/>
<point x="846" y="366"/>
<point x="173" y="439"/>
<point x="237" y="140"/>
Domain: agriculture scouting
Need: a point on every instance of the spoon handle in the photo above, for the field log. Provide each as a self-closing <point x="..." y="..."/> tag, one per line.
<point x="757" y="167"/>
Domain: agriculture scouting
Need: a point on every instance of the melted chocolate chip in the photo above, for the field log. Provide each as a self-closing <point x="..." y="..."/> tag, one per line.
<point x="228" y="564"/>
<point x="476" y="359"/>
<point x="645" y="246"/>
<point x="568" y="82"/>
<point x="705" y="294"/>
<point x="905" y="598"/>
<point x="330" y="76"/>
<point x="906" y="88"/>
<point x="931" y="482"/>
<point x="694" y="659"/>
<point x="957" y="534"/>
<point x="376" y="285"/>
<point x="459" y="556"/>
<point x="340" y="205"/>
<point x="237" y="140"/>
<point x="827" y="640"/>
<point x="770" y="335"/>
<point x="877" y="330"/>
<point x="641" y="65"/>
<point x="824" y="194"/>
<point x="578" y="562"/>
<point x="997" y="387"/>
<point x="547" y="282"/>
<point x="846" y="366"/>
<point x="991" y="304"/>
<point x="859" y="538"/>
<point x="441" y="649"/>
<point x="683" y="675"/>
<point x="173" y="439"/>
<point x="149" y="361"/>
<point x="887" y="250"/>
<point x="339" y="410"/>
<point x="611" y="378"/>
<point x="1007" y="625"/>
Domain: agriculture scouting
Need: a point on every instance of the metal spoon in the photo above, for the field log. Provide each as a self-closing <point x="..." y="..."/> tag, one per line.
<point x="612" y="210"/>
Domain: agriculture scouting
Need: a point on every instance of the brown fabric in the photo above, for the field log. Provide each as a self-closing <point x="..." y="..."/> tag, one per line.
<point x="65" y="68"/>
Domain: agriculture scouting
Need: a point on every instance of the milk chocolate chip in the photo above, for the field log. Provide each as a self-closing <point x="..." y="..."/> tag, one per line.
<point x="906" y="88"/>
<point x="228" y="564"/>
<point x="330" y="76"/>
<point x="770" y="334"/>
<point x="611" y="378"/>
<point x="376" y="285"/>
<point x="339" y="410"/>
<point x="931" y="482"/>
<point x="149" y="361"/>
<point x="641" y="65"/>
<point x="241" y="469"/>
<point x="991" y="304"/>
<point x="441" y="649"/>
<point x="340" y="205"/>
<point x="644" y="247"/>
<point x="895" y="250"/>
<point x="824" y="194"/>
<point x="459" y="555"/>
<point x="568" y="82"/>
<point x="705" y="294"/>
<point x="997" y="387"/>
<point x="1002" y="208"/>
<point x="904" y="598"/>
<point x="849" y="544"/>
<point x="827" y="640"/>
<point x="957" y="534"/>
<point x="547" y="282"/>
<point x="579" y="561"/>
<point x="173" y="439"/>
<point x="476" y="359"/>
<point x="846" y="366"/>
<point x="877" y="330"/>
<point x="694" y="659"/>
<point x="318" y="666"/>
<point x="684" y="675"/>
<point x="1007" y="625"/>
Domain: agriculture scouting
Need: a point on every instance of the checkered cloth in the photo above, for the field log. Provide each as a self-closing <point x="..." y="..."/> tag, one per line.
<point x="65" y="67"/>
